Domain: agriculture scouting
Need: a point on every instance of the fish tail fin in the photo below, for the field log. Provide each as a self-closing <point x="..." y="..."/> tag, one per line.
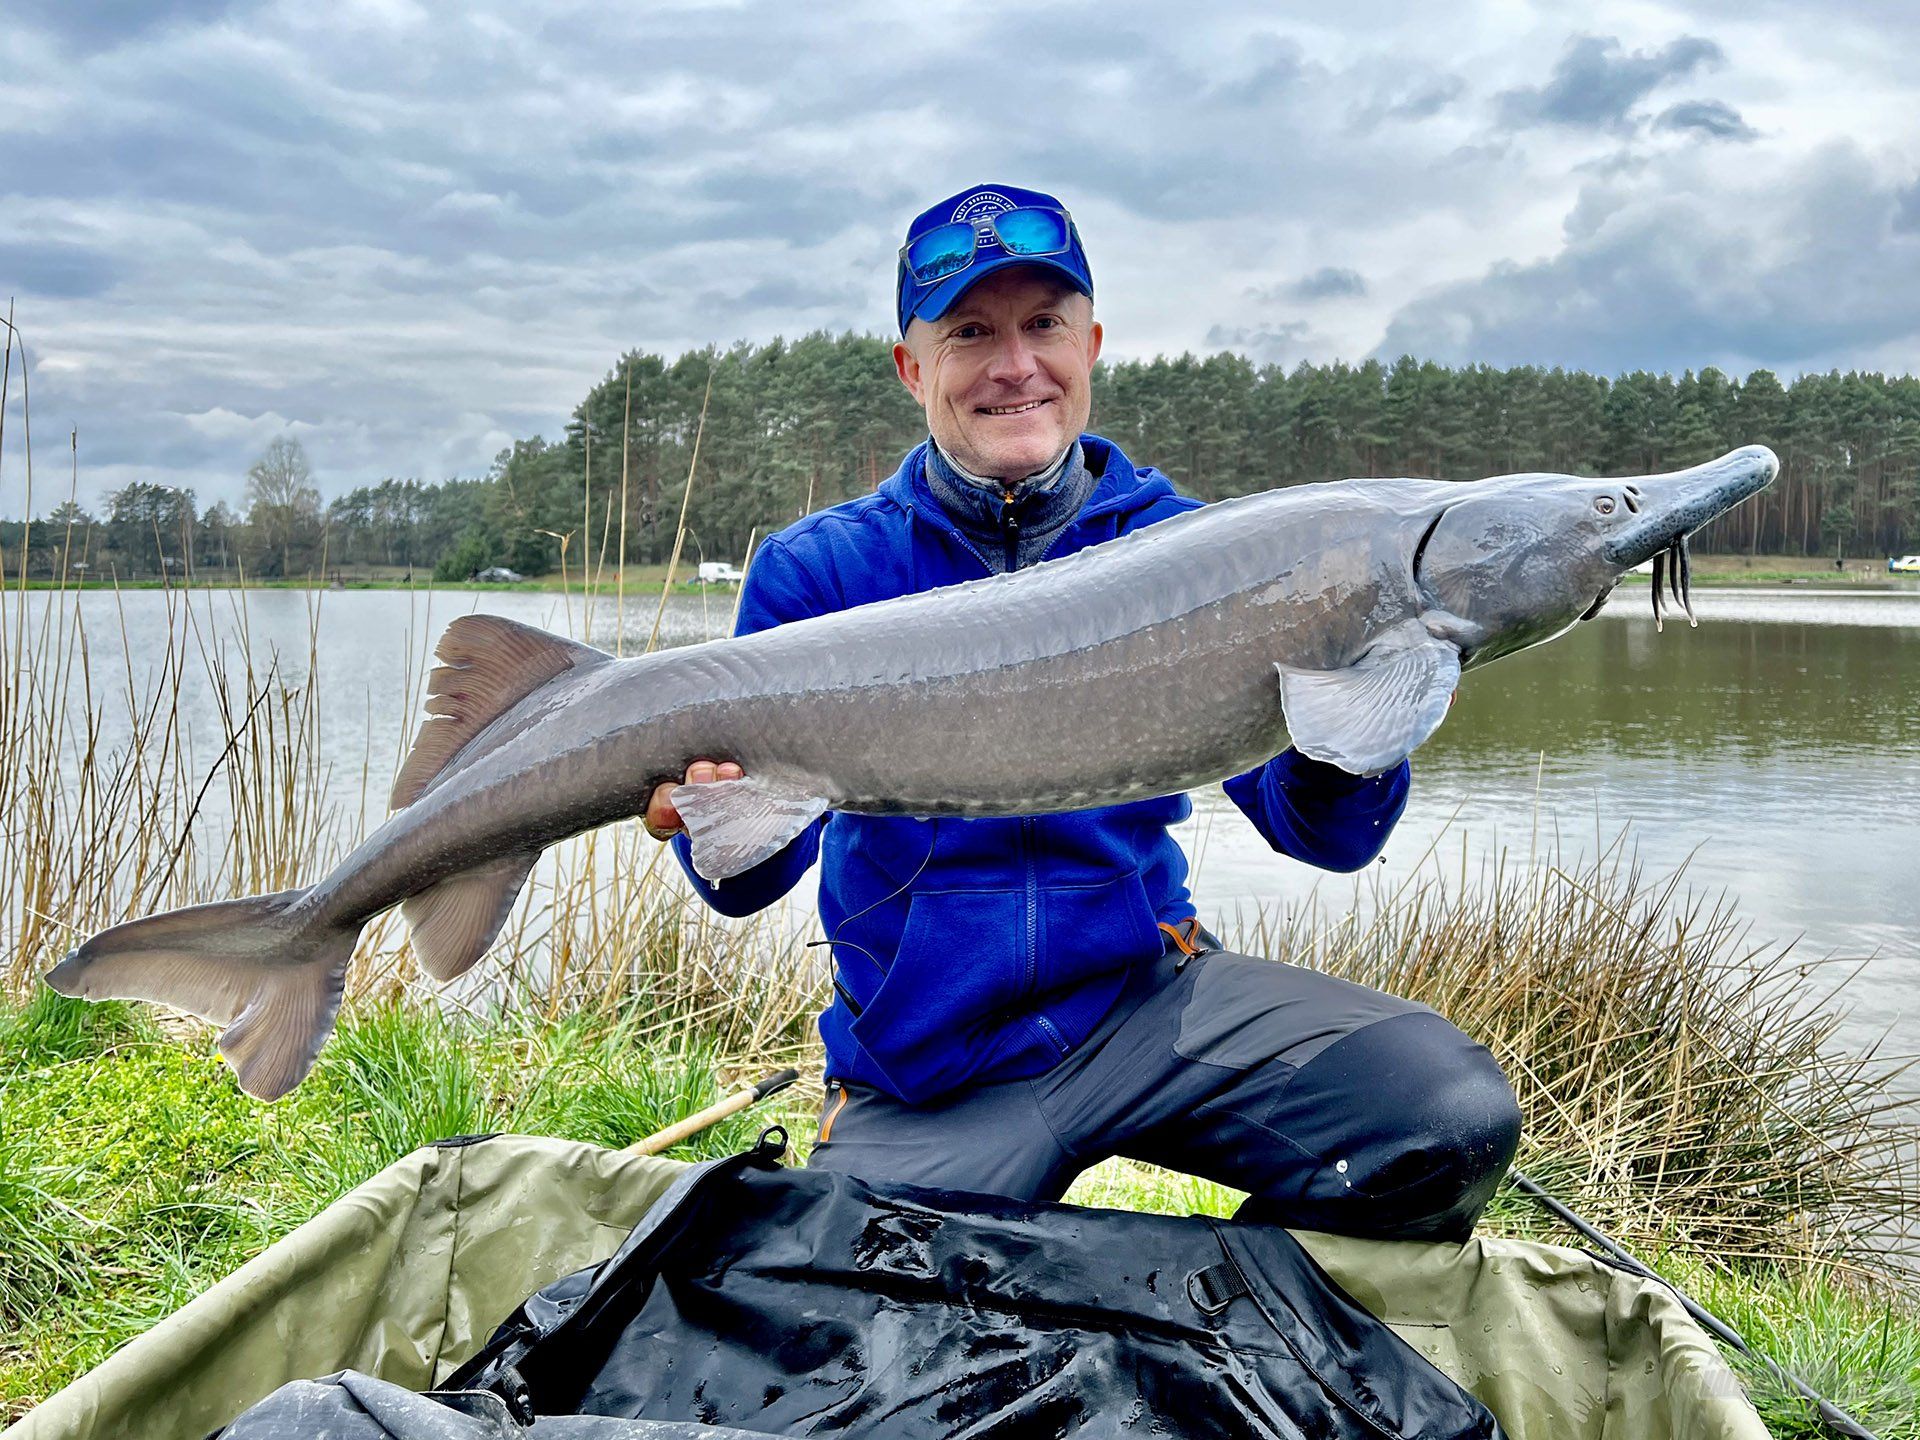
<point x="253" y="965"/>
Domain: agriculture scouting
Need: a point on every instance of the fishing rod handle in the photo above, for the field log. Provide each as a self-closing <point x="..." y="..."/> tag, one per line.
<point x="713" y="1114"/>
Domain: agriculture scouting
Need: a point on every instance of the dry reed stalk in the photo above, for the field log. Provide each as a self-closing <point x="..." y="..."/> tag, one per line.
<point x="680" y="527"/>
<point x="620" y="570"/>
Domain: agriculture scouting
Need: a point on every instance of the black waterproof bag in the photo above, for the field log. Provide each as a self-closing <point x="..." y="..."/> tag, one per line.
<point x="803" y="1302"/>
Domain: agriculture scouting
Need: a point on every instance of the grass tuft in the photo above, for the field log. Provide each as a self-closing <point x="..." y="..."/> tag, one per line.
<point x="1858" y="1346"/>
<point x="52" y="1028"/>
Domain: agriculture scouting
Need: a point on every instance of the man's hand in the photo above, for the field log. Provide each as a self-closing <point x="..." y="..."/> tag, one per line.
<point x="662" y="820"/>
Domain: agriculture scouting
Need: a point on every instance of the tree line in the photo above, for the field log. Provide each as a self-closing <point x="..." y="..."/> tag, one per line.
<point x="790" y="426"/>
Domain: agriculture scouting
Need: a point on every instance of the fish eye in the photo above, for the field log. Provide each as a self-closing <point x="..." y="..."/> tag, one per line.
<point x="1604" y="504"/>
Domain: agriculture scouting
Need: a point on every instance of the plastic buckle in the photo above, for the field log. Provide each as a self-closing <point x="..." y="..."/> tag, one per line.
<point x="1213" y="1289"/>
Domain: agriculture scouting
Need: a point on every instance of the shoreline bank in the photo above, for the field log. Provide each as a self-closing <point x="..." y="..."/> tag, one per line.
<point x="642" y="581"/>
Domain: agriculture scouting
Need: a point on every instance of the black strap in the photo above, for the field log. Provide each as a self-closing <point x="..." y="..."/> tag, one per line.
<point x="1213" y="1289"/>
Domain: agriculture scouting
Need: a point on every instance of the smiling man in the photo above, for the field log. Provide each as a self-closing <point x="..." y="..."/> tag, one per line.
<point x="1018" y="999"/>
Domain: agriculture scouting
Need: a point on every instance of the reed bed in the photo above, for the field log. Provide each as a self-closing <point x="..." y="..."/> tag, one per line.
<point x="1681" y="1081"/>
<point x="114" y="808"/>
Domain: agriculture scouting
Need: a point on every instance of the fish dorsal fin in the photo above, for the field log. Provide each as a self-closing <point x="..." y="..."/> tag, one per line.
<point x="735" y="824"/>
<point x="454" y="922"/>
<point x="491" y="665"/>
<point x="1370" y="716"/>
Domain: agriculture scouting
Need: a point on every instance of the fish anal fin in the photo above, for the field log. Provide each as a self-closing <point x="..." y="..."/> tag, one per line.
<point x="490" y="665"/>
<point x="453" y="923"/>
<point x="1370" y="716"/>
<point x="735" y="824"/>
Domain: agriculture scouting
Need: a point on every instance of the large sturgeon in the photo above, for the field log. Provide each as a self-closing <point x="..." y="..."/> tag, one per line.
<point x="1337" y="617"/>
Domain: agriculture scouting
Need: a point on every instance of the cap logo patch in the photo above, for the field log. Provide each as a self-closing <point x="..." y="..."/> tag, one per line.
<point x="981" y="204"/>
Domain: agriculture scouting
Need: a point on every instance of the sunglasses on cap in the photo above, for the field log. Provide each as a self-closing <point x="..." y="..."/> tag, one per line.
<point x="948" y="249"/>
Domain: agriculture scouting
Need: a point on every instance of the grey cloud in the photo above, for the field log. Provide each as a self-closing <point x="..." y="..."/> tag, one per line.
<point x="1274" y="65"/>
<point x="1906" y="213"/>
<point x="411" y="228"/>
<point x="1712" y="118"/>
<point x="1596" y="83"/>
<point x="1421" y="100"/>
<point x="1327" y="283"/>
<point x="786" y="293"/>
<point x="1265" y="344"/>
<point x="90" y="25"/>
<point x="49" y="269"/>
<point x="1667" y="269"/>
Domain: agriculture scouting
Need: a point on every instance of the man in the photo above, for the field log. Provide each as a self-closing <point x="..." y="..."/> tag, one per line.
<point x="1017" y="999"/>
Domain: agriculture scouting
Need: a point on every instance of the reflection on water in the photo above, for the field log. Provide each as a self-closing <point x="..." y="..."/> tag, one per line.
<point x="1775" y="751"/>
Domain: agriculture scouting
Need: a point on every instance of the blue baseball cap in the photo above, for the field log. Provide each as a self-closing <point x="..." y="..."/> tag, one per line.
<point x="963" y="239"/>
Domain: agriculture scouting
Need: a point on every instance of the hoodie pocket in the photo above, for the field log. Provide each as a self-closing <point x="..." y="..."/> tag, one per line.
<point x="956" y="972"/>
<point x="1090" y="936"/>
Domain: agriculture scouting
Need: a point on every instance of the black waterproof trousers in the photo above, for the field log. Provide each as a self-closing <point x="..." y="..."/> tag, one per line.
<point x="1337" y="1107"/>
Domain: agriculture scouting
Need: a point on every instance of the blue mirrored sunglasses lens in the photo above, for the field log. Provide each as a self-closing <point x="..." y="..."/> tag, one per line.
<point x="940" y="252"/>
<point x="1032" y="232"/>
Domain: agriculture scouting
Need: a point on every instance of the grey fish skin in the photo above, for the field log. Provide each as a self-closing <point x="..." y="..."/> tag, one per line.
<point x="1336" y="616"/>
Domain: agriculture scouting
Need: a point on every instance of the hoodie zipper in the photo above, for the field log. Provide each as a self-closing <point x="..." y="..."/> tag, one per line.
<point x="933" y="515"/>
<point x="1029" y="848"/>
<point x="1029" y="828"/>
<point x="1029" y="825"/>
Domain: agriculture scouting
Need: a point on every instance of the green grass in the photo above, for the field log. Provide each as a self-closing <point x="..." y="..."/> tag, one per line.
<point x="641" y="582"/>
<point x="1860" y="1349"/>
<point x="133" y="1174"/>
<point x="1866" y="571"/>
<point x="1786" y="575"/>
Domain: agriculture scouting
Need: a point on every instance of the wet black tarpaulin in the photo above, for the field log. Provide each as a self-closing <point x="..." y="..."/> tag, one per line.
<point x="796" y="1302"/>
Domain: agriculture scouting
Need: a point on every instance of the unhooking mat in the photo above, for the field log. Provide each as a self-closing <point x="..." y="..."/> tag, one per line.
<point x="402" y="1279"/>
<point x="803" y="1302"/>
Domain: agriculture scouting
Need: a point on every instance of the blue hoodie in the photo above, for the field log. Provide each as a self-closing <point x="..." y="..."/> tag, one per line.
<point x="985" y="950"/>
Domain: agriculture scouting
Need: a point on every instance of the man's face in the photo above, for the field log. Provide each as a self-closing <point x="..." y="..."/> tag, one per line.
<point x="1005" y="375"/>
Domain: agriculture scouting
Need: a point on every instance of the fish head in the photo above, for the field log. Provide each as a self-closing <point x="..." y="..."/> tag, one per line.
<point x="1519" y="559"/>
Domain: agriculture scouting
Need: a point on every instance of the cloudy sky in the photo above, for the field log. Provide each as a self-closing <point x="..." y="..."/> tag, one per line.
<point x="407" y="233"/>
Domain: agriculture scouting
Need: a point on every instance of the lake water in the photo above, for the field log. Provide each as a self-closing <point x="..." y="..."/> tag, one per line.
<point x="1774" y="752"/>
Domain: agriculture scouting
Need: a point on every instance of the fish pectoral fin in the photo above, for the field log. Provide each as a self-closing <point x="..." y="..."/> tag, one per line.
<point x="454" y="922"/>
<point x="735" y="824"/>
<point x="1370" y="716"/>
<point x="491" y="665"/>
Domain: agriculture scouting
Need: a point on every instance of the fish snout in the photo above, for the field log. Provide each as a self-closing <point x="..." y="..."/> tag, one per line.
<point x="1668" y="508"/>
